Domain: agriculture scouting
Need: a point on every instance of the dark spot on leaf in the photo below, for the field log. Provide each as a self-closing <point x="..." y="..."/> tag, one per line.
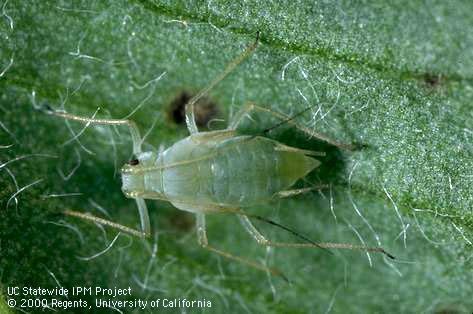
<point x="181" y="221"/>
<point x="133" y="162"/>
<point x="204" y="110"/>
<point x="432" y="80"/>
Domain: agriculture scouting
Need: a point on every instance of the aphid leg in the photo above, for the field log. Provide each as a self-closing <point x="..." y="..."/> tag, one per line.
<point x="285" y="119"/>
<point x="135" y="133"/>
<point x="144" y="217"/>
<point x="260" y="239"/>
<point x="106" y="222"/>
<point x="190" y="117"/>
<point x="203" y="241"/>
<point x="288" y="193"/>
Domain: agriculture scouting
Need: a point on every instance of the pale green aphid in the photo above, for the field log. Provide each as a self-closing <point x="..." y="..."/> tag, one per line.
<point x="215" y="172"/>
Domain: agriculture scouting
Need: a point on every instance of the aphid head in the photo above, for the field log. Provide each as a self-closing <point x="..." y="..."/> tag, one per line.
<point x="133" y="173"/>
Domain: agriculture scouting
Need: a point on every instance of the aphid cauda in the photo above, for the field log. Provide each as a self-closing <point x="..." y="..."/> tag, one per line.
<point x="217" y="172"/>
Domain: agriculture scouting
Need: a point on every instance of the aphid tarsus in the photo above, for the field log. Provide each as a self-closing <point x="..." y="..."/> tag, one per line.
<point x="218" y="172"/>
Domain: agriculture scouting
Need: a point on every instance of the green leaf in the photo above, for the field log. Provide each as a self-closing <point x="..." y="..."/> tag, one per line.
<point x="396" y="79"/>
<point x="4" y="308"/>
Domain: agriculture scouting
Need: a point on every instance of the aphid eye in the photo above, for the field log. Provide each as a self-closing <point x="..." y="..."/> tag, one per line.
<point x="133" y="162"/>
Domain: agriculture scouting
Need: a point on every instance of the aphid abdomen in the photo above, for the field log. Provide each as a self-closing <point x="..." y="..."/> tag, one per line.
<point x="230" y="173"/>
<point x="248" y="172"/>
<point x="243" y="172"/>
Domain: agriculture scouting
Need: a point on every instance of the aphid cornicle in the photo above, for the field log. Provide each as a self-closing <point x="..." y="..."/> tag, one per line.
<point x="217" y="171"/>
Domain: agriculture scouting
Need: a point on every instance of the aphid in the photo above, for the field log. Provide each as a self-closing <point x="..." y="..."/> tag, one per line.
<point x="218" y="172"/>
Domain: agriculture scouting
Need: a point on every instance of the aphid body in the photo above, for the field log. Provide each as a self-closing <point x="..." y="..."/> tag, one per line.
<point x="215" y="171"/>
